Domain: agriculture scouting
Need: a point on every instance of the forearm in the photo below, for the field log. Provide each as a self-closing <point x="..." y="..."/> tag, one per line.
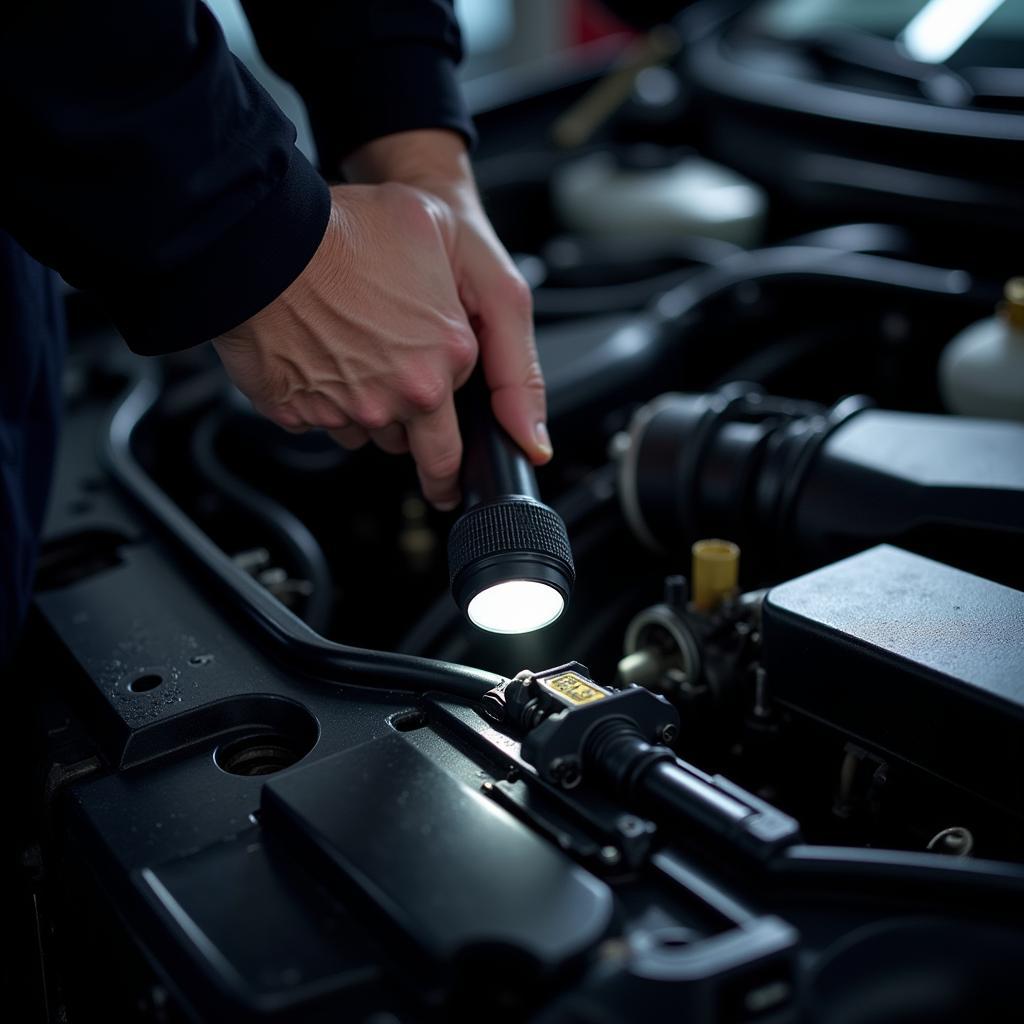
<point x="147" y="164"/>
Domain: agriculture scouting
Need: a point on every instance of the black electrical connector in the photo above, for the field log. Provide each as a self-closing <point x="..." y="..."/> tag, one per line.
<point x="576" y="730"/>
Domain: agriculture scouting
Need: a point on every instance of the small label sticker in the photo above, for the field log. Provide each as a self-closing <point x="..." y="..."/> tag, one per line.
<point x="573" y="688"/>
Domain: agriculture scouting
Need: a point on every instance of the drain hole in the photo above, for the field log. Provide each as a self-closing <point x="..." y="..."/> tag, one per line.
<point x="407" y="721"/>
<point x="262" y="754"/>
<point x="143" y="684"/>
<point x="674" y="938"/>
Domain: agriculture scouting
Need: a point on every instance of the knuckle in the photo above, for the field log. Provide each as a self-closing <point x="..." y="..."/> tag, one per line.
<point x="443" y="464"/>
<point x="535" y="378"/>
<point x="462" y="350"/>
<point x="331" y="419"/>
<point x="283" y="416"/>
<point x="519" y="295"/>
<point x="373" y="417"/>
<point x="426" y="393"/>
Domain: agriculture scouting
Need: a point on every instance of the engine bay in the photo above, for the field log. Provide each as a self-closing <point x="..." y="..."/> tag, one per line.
<point x="766" y="766"/>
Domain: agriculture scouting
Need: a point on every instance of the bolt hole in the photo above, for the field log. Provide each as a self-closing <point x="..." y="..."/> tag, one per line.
<point x="143" y="684"/>
<point x="260" y="754"/>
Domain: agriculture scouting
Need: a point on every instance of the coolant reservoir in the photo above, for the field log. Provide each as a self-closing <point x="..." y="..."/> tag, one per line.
<point x="981" y="371"/>
<point x="649" y="192"/>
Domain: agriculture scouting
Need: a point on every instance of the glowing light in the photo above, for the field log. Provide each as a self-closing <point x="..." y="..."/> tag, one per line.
<point x="516" y="606"/>
<point x="941" y="27"/>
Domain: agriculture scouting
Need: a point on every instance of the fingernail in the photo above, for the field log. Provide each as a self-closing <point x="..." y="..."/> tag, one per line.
<point x="446" y="506"/>
<point x="540" y="433"/>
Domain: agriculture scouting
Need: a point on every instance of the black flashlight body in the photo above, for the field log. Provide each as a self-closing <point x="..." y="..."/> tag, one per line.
<point x="506" y="532"/>
<point x="493" y="465"/>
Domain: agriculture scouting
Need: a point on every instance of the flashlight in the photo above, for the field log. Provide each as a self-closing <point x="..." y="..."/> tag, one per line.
<point x="509" y="557"/>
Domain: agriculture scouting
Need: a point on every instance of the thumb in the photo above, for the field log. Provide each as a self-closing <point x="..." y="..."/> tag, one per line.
<point x="511" y="367"/>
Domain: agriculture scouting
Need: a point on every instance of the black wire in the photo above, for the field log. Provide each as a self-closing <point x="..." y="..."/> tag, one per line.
<point x="298" y="542"/>
<point x="594" y="300"/>
<point x="285" y="636"/>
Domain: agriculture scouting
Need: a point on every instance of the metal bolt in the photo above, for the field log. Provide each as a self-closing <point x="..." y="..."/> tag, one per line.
<point x="565" y="772"/>
<point x="677" y="592"/>
<point x="668" y="733"/>
<point x="610" y="855"/>
<point x="630" y="826"/>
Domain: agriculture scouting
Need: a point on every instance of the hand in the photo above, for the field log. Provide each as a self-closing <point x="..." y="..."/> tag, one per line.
<point x="492" y="291"/>
<point x="371" y="339"/>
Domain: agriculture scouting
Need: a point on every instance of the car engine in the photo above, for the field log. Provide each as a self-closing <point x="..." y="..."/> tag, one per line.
<point x="767" y="766"/>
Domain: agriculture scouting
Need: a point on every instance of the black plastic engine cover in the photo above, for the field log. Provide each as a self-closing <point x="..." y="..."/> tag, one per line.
<point x="456" y="876"/>
<point x="911" y="656"/>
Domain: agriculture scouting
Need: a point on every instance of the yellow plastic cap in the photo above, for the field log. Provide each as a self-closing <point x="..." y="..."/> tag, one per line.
<point x="716" y="572"/>
<point x="1012" y="308"/>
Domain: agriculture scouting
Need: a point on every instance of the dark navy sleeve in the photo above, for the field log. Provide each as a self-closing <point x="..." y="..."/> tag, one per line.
<point x="365" y="68"/>
<point x="146" y="165"/>
<point x="31" y="354"/>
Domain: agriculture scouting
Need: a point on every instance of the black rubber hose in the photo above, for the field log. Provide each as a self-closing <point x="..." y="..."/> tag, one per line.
<point x="665" y="328"/>
<point x="297" y="541"/>
<point x="593" y="300"/>
<point x="799" y="264"/>
<point x="285" y="637"/>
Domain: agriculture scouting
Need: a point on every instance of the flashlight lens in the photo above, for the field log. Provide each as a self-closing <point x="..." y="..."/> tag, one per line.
<point x="516" y="606"/>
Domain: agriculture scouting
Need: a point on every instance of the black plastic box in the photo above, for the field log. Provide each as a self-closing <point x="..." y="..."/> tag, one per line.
<point x="909" y="656"/>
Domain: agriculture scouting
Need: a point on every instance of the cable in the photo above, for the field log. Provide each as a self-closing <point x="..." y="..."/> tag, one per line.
<point x="595" y="300"/>
<point x="298" y="542"/>
<point x="286" y="637"/>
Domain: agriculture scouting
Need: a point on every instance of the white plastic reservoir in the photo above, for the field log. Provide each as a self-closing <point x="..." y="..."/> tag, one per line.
<point x="981" y="371"/>
<point x="605" y="194"/>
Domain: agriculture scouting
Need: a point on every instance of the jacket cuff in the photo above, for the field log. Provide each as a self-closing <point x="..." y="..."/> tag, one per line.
<point x="238" y="275"/>
<point x="413" y="86"/>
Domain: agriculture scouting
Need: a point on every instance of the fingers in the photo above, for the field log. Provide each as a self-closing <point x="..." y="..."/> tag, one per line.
<point x="392" y="439"/>
<point x="351" y="437"/>
<point x="436" y="445"/>
<point x="511" y="366"/>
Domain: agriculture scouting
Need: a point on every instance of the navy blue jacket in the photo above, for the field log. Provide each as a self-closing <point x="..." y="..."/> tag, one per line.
<point x="147" y="166"/>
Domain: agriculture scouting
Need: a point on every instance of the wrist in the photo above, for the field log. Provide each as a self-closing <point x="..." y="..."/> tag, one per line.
<point x="433" y="159"/>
